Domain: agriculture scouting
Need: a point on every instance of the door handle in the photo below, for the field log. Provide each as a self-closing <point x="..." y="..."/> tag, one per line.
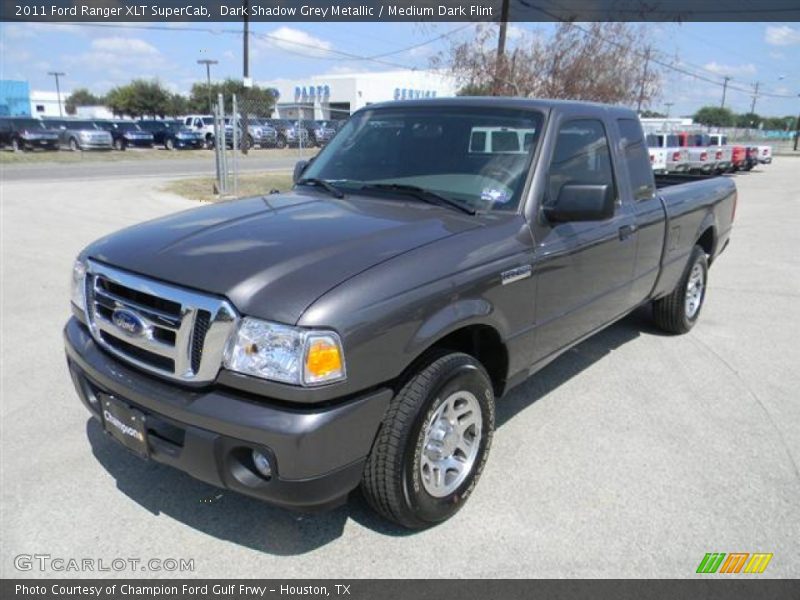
<point x="626" y="231"/>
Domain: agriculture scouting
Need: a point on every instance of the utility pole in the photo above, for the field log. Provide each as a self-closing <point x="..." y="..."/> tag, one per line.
<point x="724" y="90"/>
<point x="208" y="62"/>
<point x="669" y="106"/>
<point x="58" y="74"/>
<point x="501" y="48"/>
<point x="755" y="97"/>
<point x="644" y="79"/>
<point x="246" y="40"/>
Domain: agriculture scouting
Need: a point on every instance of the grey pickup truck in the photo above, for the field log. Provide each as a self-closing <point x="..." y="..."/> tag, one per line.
<point x="359" y="329"/>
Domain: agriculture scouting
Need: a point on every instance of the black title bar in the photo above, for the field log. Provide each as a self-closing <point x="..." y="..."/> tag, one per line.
<point x="111" y="11"/>
<point x="707" y="588"/>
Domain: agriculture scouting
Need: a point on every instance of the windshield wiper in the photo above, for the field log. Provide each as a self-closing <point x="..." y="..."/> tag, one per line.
<point x="328" y="187"/>
<point x="422" y="193"/>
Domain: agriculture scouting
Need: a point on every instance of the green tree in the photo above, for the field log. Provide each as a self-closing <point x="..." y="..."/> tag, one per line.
<point x="786" y="123"/>
<point x="256" y="100"/>
<point x="81" y="97"/>
<point x="140" y="98"/>
<point x="748" y="120"/>
<point x="715" y="116"/>
<point x="177" y="105"/>
<point x="653" y="114"/>
<point x="475" y="89"/>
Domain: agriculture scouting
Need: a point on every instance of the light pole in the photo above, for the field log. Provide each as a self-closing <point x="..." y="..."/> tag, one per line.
<point x="208" y="62"/>
<point x="58" y="74"/>
<point x="669" y="106"/>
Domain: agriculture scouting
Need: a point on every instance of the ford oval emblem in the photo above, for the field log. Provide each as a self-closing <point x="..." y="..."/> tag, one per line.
<point x="129" y="322"/>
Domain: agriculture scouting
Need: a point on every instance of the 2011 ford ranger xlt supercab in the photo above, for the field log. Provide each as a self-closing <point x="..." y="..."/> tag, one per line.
<point x="358" y="329"/>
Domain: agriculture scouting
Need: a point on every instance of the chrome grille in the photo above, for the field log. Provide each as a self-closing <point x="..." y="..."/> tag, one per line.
<point x="172" y="331"/>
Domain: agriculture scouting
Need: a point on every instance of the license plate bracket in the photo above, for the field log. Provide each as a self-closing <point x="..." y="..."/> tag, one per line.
<point x="125" y="424"/>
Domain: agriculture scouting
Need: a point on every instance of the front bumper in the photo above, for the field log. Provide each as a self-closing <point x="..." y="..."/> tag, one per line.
<point x="94" y="145"/>
<point x="188" y="143"/>
<point x="317" y="453"/>
<point x="46" y="144"/>
<point x="139" y="142"/>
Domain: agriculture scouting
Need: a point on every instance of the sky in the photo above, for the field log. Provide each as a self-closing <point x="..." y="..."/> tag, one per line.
<point x="100" y="57"/>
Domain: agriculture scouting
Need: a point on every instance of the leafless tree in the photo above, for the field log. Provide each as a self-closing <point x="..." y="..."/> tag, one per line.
<point x="602" y="62"/>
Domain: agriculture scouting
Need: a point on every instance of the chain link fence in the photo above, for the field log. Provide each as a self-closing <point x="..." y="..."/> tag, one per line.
<point x="243" y="126"/>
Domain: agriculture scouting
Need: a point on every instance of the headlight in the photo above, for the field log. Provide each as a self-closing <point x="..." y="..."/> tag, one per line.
<point x="286" y="354"/>
<point x="78" y="282"/>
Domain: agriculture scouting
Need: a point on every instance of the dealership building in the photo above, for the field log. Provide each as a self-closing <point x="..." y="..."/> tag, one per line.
<point x="17" y="99"/>
<point x="337" y="96"/>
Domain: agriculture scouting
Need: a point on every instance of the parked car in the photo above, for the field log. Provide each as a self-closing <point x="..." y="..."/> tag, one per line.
<point x="172" y="134"/>
<point x="658" y="160"/>
<point x="203" y="124"/>
<point x="359" y="329"/>
<point x="677" y="158"/>
<point x="76" y="134"/>
<point x="288" y="133"/>
<point x="22" y="133"/>
<point x="320" y="132"/>
<point x="723" y="152"/>
<point x="751" y="157"/>
<point x="700" y="159"/>
<point x="126" y="134"/>
<point x="738" y="157"/>
<point x="765" y="155"/>
<point x="262" y="134"/>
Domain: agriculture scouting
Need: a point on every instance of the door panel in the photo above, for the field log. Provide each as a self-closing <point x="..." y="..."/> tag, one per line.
<point x="584" y="269"/>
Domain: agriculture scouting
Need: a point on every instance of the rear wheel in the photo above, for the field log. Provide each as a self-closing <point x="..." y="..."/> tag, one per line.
<point x="16" y="146"/>
<point x="433" y="443"/>
<point x="119" y="144"/>
<point x="280" y="142"/>
<point x="169" y="144"/>
<point x="73" y="145"/>
<point x="678" y="312"/>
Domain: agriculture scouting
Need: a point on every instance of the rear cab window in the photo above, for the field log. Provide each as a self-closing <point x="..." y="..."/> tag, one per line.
<point x="637" y="160"/>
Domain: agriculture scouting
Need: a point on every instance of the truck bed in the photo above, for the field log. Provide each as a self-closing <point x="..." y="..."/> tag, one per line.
<point x="670" y="179"/>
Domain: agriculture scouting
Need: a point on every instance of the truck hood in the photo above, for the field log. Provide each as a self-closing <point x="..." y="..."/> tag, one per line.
<point x="272" y="256"/>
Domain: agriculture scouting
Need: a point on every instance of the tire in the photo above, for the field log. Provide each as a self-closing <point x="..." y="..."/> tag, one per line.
<point x="678" y="312"/>
<point x="169" y="144"/>
<point x="280" y="143"/>
<point x="119" y="145"/>
<point x="399" y="476"/>
<point x="16" y="146"/>
<point x="209" y="144"/>
<point x="73" y="145"/>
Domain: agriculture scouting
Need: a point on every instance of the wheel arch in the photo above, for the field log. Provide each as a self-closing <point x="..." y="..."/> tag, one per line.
<point x="474" y="335"/>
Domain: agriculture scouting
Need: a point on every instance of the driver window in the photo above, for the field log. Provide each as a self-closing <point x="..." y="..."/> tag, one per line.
<point x="581" y="156"/>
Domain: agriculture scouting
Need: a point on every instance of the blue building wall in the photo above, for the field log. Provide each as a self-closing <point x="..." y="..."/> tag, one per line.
<point x="15" y="98"/>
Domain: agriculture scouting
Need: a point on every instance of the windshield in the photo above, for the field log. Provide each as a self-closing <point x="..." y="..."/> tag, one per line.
<point x="79" y="125"/>
<point x="476" y="156"/>
<point x="127" y="126"/>
<point x="29" y="124"/>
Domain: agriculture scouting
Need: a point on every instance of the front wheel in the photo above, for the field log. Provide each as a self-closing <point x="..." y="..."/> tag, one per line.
<point x="433" y="444"/>
<point x="169" y="144"/>
<point x="678" y="312"/>
<point x="119" y="144"/>
<point x="73" y="145"/>
<point x="16" y="146"/>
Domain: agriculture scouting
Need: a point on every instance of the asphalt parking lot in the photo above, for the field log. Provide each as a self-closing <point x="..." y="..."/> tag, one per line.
<point x="631" y="456"/>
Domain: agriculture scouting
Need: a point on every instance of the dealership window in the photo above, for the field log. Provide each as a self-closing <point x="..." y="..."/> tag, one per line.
<point x="39" y="108"/>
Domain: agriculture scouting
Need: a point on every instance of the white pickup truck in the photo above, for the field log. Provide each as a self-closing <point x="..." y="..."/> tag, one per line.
<point x="722" y="152"/>
<point x="765" y="155"/>
<point x="676" y="159"/>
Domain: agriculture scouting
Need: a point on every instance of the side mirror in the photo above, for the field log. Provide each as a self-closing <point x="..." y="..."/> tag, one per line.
<point x="298" y="169"/>
<point x="581" y="202"/>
